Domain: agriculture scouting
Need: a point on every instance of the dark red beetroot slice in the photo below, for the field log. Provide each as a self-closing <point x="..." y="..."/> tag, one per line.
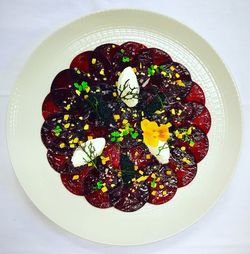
<point x="153" y="56"/>
<point x="203" y="120"/>
<point x="49" y="107"/>
<point x="62" y="163"/>
<point x="162" y="185"/>
<point x="111" y="155"/>
<point x="185" y="170"/>
<point x="74" y="183"/>
<point x="180" y="113"/>
<point x="65" y="79"/>
<point x="196" y="142"/>
<point x="82" y="61"/>
<point x="133" y="197"/>
<point x="184" y="173"/>
<point x="107" y="51"/>
<point x="132" y="48"/>
<point x="63" y="100"/>
<point x="141" y="156"/>
<point x="196" y="94"/>
<point x="58" y="130"/>
<point x="102" y="187"/>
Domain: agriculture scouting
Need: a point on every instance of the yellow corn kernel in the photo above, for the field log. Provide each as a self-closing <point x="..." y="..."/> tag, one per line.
<point x="72" y="145"/>
<point x="172" y="68"/>
<point x="189" y="131"/>
<point x="125" y="121"/>
<point x="178" y="98"/>
<point x="90" y="137"/>
<point x="102" y="72"/>
<point x="66" y="126"/>
<point x="177" y="75"/>
<point x="135" y="167"/>
<point x="87" y="89"/>
<point x="142" y="178"/>
<point x="114" y="94"/>
<point x="86" y="127"/>
<point x="62" y="145"/>
<point x="186" y="160"/>
<point x="153" y="176"/>
<point x="183" y="148"/>
<point x="164" y="193"/>
<point x="117" y="117"/>
<point x="75" y="177"/>
<point x="158" y="179"/>
<point x="134" y="69"/>
<point x="173" y="111"/>
<point x="168" y="172"/>
<point x="141" y="172"/>
<point x="153" y="193"/>
<point x="67" y="107"/>
<point x="161" y="186"/>
<point x="148" y="156"/>
<point x="180" y="83"/>
<point x="164" y="73"/>
<point x="104" y="189"/>
<point x="93" y="61"/>
<point x="78" y="92"/>
<point x="65" y="117"/>
<point x="76" y="140"/>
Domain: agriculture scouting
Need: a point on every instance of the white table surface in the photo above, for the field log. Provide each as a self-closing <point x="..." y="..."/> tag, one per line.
<point x="225" y="25"/>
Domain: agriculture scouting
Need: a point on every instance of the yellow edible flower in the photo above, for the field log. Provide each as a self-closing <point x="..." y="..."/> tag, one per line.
<point x="152" y="133"/>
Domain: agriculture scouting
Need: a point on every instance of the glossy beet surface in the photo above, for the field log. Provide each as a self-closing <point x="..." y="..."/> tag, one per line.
<point x="83" y="104"/>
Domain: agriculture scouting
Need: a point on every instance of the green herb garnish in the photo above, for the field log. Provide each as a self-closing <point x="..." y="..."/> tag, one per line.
<point x="99" y="185"/>
<point x="125" y="59"/>
<point x="57" y="130"/>
<point x="81" y="87"/>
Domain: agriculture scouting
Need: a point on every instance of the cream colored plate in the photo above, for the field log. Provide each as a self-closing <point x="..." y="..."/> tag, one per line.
<point x="43" y="185"/>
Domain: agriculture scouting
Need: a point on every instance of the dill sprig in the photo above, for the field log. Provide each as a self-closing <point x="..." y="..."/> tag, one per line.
<point x="90" y="153"/>
<point x="161" y="148"/>
<point x="131" y="94"/>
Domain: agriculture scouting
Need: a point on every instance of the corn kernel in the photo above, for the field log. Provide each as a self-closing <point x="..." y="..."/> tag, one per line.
<point x="153" y="193"/>
<point x="66" y="126"/>
<point x="161" y="186"/>
<point x="86" y="127"/>
<point x="78" y="92"/>
<point x="168" y="172"/>
<point x="65" y="117"/>
<point x="75" y="177"/>
<point x="173" y="111"/>
<point x="114" y="94"/>
<point x="183" y="148"/>
<point x="148" y="156"/>
<point x="177" y="75"/>
<point x="72" y="145"/>
<point x="62" y="145"/>
<point x="104" y="189"/>
<point x="102" y="72"/>
<point x="90" y="137"/>
<point x="117" y="117"/>
<point x="93" y="61"/>
<point x="125" y="121"/>
<point x="172" y="68"/>
<point x="76" y="140"/>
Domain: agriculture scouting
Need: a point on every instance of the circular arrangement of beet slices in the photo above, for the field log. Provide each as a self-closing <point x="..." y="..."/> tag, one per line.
<point x="83" y="104"/>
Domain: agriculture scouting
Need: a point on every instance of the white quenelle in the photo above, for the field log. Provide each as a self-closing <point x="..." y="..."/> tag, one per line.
<point x="88" y="151"/>
<point x="161" y="152"/>
<point x="128" y="87"/>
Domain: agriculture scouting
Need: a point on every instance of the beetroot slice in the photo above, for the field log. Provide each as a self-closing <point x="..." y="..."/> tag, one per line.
<point x="133" y="197"/>
<point x="141" y="156"/>
<point x="132" y="48"/>
<point x="62" y="163"/>
<point x="153" y="56"/>
<point x="65" y="79"/>
<point x="203" y="120"/>
<point x="49" y="107"/>
<point x="196" y="94"/>
<point x="102" y="187"/>
<point x="107" y="51"/>
<point x="111" y="154"/>
<point x="184" y="173"/>
<point x="82" y="61"/>
<point x="196" y="142"/>
<point x="162" y="185"/>
<point x="74" y="183"/>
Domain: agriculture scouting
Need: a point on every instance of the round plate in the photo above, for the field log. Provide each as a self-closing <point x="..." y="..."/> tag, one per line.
<point x="43" y="185"/>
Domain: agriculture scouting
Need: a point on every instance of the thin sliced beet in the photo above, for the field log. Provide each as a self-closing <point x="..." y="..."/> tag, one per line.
<point x="133" y="197"/>
<point x="111" y="154"/>
<point x="132" y="48"/>
<point x="107" y="51"/>
<point x="61" y="163"/>
<point x="153" y="56"/>
<point x="196" y="142"/>
<point x="102" y="187"/>
<point x="162" y="185"/>
<point x="65" y="79"/>
<point x="196" y="94"/>
<point x="74" y="182"/>
<point x="203" y="120"/>
<point x="141" y="156"/>
<point x="82" y="61"/>
<point x="49" y="107"/>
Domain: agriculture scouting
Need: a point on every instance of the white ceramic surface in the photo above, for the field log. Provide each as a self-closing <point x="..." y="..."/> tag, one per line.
<point x="43" y="185"/>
